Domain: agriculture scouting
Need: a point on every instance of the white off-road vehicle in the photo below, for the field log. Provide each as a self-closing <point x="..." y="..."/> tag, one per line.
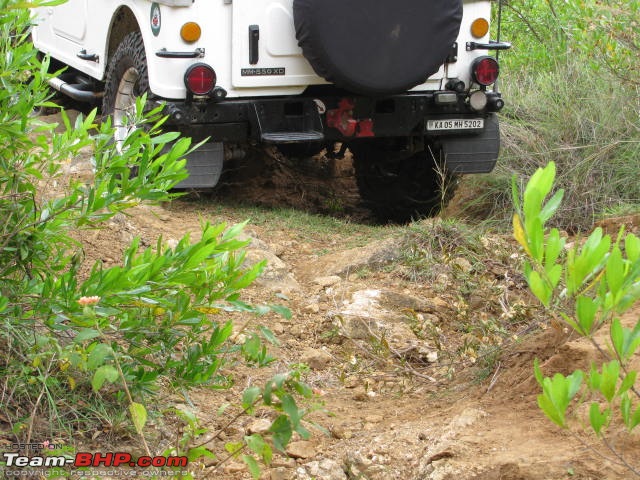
<point x="403" y="84"/>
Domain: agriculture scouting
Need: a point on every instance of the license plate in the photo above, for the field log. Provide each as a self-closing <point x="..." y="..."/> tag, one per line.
<point x="455" y="124"/>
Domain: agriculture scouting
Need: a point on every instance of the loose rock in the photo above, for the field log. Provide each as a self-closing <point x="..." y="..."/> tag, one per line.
<point x="276" y="275"/>
<point x="352" y="260"/>
<point x="317" y="359"/>
<point x="280" y="473"/>
<point x="325" y="469"/>
<point x="259" y="426"/>
<point x="302" y="449"/>
<point x="327" y="281"/>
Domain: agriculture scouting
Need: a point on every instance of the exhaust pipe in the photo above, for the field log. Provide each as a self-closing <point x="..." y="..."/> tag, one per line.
<point x="74" y="91"/>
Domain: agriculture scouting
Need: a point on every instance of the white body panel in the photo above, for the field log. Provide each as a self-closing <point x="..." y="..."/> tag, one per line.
<point x="65" y="30"/>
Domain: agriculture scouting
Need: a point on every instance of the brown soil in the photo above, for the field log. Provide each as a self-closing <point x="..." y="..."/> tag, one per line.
<point x="384" y="419"/>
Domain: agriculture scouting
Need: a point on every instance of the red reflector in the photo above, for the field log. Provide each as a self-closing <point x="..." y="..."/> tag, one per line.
<point x="200" y="79"/>
<point x="485" y="70"/>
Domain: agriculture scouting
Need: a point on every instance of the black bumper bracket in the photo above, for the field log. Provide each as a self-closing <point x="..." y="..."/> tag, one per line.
<point x="488" y="46"/>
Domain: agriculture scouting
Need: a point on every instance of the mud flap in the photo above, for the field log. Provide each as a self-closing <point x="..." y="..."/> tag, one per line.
<point x="204" y="166"/>
<point x="473" y="153"/>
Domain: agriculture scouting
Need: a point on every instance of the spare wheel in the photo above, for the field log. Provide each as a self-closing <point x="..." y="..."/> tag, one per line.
<point x="376" y="47"/>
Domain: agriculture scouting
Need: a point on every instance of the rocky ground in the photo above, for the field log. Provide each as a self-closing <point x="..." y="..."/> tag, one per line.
<point x="419" y="340"/>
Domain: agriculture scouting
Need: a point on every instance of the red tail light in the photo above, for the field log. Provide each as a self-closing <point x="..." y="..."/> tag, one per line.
<point x="200" y="79"/>
<point x="485" y="70"/>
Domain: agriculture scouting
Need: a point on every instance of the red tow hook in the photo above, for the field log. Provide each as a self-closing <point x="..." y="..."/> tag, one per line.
<point x="342" y="119"/>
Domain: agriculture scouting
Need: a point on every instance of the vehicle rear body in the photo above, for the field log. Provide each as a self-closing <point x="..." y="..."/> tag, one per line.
<point x="258" y="62"/>
<point x="81" y="25"/>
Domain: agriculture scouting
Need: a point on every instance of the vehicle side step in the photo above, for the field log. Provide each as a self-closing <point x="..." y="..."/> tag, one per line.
<point x="292" y="137"/>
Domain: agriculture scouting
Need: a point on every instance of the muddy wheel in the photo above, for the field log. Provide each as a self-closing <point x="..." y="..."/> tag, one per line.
<point x="127" y="79"/>
<point x="399" y="185"/>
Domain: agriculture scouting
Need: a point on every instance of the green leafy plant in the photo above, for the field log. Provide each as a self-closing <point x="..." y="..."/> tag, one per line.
<point x="74" y="343"/>
<point x="571" y="94"/>
<point x="590" y="286"/>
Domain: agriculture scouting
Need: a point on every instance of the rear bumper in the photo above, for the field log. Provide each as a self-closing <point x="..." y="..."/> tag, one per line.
<point x="322" y="118"/>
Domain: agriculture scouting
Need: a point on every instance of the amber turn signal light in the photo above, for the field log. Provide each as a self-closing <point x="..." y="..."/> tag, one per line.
<point x="190" y="32"/>
<point x="479" y="27"/>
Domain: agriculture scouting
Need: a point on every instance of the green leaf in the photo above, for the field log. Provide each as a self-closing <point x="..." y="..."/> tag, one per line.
<point x="628" y="382"/>
<point x="282" y="311"/>
<point x="253" y="466"/>
<point x="625" y="409"/>
<point x="165" y="138"/>
<point x="586" y="309"/>
<point x="290" y="408"/>
<point x="555" y="246"/>
<point x="234" y="231"/>
<point x="598" y="419"/>
<point x="610" y="375"/>
<point x="138" y="415"/>
<point x="632" y="247"/>
<point x="543" y="178"/>
<point x="102" y="374"/>
<point x="252" y="347"/>
<point x="550" y="410"/>
<point x="635" y="419"/>
<point x="268" y="335"/>
<point x="222" y="408"/>
<point x="234" y="448"/>
<point x="86" y="334"/>
<point x="282" y="431"/>
<point x="594" y="379"/>
<point x="258" y="446"/>
<point x="249" y="397"/>
<point x="4" y="301"/>
<point x="557" y="393"/>
<point x="98" y="355"/>
<point x="625" y="341"/>
<point x="614" y="272"/>
<point x="617" y="336"/>
<point x="197" y="453"/>
<point x="539" y="288"/>
<point x="551" y="206"/>
<point x="537" y="372"/>
<point x="554" y="274"/>
<point x="536" y="239"/>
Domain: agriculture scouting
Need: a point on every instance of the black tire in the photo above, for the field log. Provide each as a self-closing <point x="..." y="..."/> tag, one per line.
<point x="127" y="78"/>
<point x="398" y="185"/>
<point x="376" y="47"/>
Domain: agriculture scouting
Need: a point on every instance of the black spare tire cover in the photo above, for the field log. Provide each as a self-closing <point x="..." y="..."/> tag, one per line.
<point x="376" y="46"/>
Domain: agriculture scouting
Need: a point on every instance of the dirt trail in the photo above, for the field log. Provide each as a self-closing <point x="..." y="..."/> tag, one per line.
<point x="387" y="421"/>
<point x="405" y="392"/>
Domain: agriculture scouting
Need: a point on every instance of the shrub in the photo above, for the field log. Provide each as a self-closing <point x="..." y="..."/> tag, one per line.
<point x="588" y="287"/>
<point x="73" y="346"/>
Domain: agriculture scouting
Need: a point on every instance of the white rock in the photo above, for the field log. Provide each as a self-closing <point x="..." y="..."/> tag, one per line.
<point x="325" y="469"/>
